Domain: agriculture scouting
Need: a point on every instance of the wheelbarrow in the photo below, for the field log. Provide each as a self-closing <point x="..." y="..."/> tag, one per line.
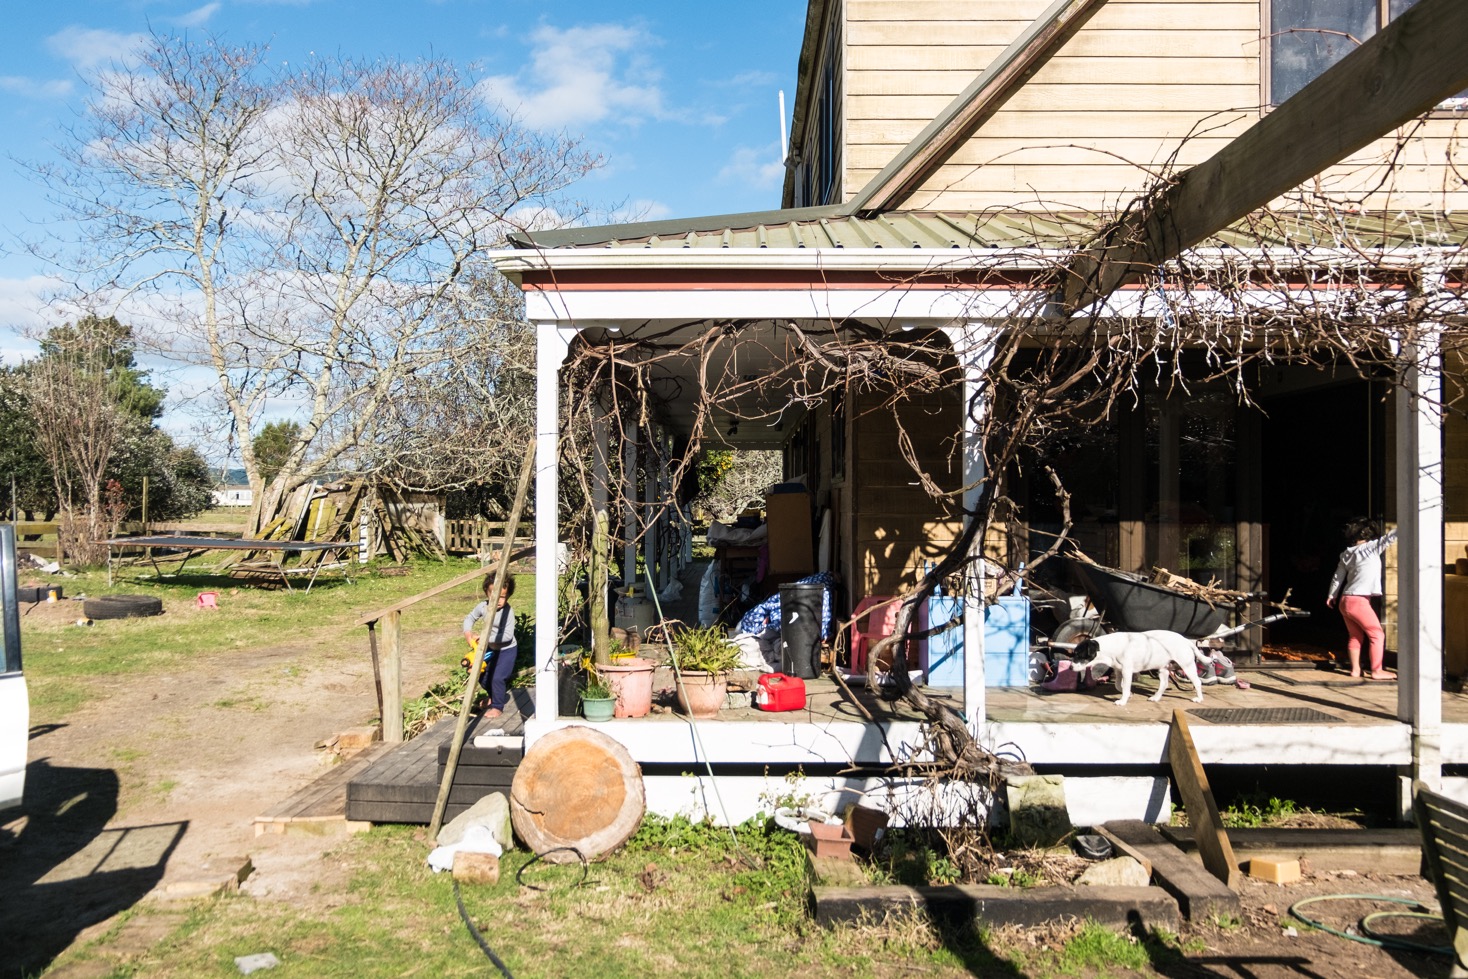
<point x="1128" y="602"/>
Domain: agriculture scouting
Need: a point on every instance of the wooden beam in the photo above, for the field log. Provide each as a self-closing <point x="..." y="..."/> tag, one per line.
<point x="1400" y="73"/>
<point x="471" y="686"/>
<point x="372" y="617"/>
<point x="976" y="105"/>
<point x="1192" y="785"/>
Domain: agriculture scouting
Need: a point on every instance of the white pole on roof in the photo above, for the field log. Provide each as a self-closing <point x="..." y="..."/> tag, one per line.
<point x="784" y="140"/>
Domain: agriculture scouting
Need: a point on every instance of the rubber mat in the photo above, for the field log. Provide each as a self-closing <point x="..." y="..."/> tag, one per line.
<point x="1263" y="715"/>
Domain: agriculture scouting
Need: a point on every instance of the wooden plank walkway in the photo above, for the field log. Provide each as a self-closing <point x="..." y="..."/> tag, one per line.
<point x="323" y="803"/>
<point x="401" y="786"/>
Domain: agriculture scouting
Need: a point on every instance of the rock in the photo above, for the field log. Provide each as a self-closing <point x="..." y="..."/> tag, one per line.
<point x="1037" y="813"/>
<point x="253" y="963"/>
<point x="492" y="812"/>
<point x="1116" y="872"/>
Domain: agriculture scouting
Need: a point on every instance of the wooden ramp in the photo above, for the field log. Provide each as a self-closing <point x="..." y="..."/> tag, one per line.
<point x="322" y="805"/>
<point x="401" y="786"/>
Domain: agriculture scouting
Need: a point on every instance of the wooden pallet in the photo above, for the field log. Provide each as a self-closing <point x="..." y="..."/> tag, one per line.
<point x="322" y="805"/>
<point x="402" y="786"/>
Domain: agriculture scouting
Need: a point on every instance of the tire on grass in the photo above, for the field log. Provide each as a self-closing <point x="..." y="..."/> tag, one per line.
<point x="122" y="606"/>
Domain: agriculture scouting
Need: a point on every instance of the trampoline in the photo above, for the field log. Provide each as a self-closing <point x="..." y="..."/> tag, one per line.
<point x="275" y="551"/>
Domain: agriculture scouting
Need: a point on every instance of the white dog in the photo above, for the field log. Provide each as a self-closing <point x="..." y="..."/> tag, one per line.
<point x="1129" y="653"/>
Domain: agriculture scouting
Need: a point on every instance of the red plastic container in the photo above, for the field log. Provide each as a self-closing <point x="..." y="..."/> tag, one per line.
<point x="780" y="691"/>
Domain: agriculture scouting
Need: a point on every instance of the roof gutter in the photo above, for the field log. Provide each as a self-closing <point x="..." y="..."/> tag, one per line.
<point x="978" y="103"/>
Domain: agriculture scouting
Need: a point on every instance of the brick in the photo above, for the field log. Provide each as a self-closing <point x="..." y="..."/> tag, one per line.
<point x="476" y="868"/>
<point x="1275" y="871"/>
<point x="356" y="738"/>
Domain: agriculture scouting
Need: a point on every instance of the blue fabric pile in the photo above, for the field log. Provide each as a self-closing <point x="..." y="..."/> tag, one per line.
<point x="766" y="615"/>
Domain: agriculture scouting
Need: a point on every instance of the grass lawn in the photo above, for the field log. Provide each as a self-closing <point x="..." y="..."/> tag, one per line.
<point x="67" y="663"/>
<point x="678" y="900"/>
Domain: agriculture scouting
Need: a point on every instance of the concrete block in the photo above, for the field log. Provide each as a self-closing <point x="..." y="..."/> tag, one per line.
<point x="1275" y="871"/>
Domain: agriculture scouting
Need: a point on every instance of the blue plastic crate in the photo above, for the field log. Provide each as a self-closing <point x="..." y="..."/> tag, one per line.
<point x="1006" y="643"/>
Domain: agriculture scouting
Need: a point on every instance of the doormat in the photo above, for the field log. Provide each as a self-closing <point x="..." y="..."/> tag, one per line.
<point x="1262" y="715"/>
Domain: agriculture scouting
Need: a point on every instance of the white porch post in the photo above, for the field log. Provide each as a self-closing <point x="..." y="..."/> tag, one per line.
<point x="1419" y="559"/>
<point x="551" y="344"/>
<point x="973" y="345"/>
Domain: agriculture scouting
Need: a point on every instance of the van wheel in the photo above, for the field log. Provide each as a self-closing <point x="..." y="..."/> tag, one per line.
<point x="122" y="606"/>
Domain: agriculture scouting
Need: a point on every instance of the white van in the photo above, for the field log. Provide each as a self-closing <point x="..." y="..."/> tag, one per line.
<point x="15" y="704"/>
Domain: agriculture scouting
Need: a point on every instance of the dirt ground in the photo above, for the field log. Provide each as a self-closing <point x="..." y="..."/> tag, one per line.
<point x="156" y="781"/>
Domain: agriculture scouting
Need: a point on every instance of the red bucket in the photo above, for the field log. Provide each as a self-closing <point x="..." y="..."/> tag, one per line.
<point x="779" y="691"/>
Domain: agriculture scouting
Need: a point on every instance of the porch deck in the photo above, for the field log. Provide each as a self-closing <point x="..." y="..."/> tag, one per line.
<point x="1323" y="718"/>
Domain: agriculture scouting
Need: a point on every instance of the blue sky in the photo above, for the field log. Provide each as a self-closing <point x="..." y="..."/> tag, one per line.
<point x="681" y="98"/>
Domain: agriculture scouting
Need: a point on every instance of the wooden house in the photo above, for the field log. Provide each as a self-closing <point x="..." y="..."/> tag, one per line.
<point x="947" y="155"/>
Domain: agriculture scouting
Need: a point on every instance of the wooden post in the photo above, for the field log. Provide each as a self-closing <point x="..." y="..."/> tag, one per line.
<point x="376" y="664"/>
<point x="456" y="746"/>
<point x="392" y="677"/>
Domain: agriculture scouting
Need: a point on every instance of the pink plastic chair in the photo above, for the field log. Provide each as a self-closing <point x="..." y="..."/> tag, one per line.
<point x="208" y="599"/>
<point x="872" y="629"/>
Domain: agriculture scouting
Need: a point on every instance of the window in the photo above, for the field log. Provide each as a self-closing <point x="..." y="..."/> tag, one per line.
<point x="1308" y="36"/>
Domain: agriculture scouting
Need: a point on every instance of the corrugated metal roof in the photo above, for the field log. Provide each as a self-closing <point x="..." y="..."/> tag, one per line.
<point x="827" y="227"/>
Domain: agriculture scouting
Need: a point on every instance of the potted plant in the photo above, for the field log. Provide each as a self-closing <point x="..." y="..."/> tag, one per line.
<point x="598" y="701"/>
<point x="704" y="657"/>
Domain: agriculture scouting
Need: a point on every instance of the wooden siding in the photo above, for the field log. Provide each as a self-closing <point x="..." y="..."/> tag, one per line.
<point x="1455" y="465"/>
<point x="1123" y="94"/>
<point x="898" y="527"/>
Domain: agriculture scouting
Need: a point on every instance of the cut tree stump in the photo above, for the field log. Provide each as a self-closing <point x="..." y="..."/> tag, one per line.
<point x="576" y="791"/>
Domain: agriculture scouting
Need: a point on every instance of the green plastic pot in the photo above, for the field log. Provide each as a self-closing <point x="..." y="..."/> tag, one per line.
<point x="598" y="708"/>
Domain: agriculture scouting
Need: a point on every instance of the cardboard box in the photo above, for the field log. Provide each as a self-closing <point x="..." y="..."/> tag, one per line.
<point x="792" y="544"/>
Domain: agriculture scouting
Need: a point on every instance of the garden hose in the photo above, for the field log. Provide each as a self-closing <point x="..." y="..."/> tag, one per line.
<point x="1369" y="937"/>
<point x="749" y="861"/>
<point x="478" y="938"/>
<point x="475" y="932"/>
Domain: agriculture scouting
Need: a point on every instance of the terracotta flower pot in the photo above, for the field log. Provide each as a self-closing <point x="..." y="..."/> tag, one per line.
<point x="701" y="694"/>
<point x="631" y="681"/>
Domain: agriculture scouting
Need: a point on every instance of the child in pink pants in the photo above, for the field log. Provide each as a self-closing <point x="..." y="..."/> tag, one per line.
<point x="1356" y="581"/>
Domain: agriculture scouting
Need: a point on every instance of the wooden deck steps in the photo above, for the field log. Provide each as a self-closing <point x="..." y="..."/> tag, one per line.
<point x="322" y="805"/>
<point x="401" y="786"/>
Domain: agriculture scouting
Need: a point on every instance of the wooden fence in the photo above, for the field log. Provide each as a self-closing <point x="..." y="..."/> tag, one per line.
<point x="476" y="536"/>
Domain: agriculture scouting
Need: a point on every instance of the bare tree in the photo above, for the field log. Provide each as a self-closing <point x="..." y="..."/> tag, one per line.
<point x="743" y="477"/>
<point x="313" y="236"/>
<point x="78" y="423"/>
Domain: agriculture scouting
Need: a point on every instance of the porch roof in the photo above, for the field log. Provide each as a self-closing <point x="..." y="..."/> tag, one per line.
<point x="829" y="227"/>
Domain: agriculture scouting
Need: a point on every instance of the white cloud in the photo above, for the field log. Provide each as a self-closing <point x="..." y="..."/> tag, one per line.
<point x="32" y="89"/>
<point x="756" y="167"/>
<point x="88" y="48"/>
<point x="199" y="17"/>
<point x="583" y="75"/>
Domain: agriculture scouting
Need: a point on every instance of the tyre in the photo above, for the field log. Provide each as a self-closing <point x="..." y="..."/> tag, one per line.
<point x="122" y="606"/>
<point x="30" y="594"/>
<point x="1074" y="630"/>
